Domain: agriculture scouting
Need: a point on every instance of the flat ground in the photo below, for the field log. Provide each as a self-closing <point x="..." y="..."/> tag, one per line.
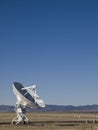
<point x="52" y="121"/>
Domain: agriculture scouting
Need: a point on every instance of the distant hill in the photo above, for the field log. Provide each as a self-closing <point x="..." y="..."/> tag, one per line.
<point x="6" y="108"/>
<point x="54" y="108"/>
<point x="71" y="108"/>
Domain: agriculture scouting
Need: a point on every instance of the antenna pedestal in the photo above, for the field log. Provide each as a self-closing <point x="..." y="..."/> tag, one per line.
<point x="21" y="117"/>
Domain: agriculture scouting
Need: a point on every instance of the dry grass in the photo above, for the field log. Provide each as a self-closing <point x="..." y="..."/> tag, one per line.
<point x="51" y="121"/>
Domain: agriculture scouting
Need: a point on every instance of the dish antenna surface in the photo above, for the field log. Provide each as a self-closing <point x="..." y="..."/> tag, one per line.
<point x="26" y="97"/>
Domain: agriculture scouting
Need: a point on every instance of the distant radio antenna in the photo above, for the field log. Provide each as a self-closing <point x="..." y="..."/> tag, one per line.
<point x="26" y="97"/>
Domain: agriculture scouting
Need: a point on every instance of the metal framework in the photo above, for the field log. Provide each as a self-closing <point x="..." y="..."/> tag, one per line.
<point x="21" y="117"/>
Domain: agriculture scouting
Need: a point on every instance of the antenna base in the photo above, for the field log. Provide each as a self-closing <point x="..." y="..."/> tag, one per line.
<point x="21" y="118"/>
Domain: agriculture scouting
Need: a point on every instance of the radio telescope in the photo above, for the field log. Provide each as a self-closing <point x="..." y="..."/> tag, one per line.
<point x="26" y="97"/>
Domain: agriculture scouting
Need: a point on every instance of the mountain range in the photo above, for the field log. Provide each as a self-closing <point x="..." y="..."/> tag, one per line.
<point x="54" y="108"/>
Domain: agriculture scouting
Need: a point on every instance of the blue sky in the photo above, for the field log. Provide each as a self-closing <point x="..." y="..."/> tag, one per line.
<point x="51" y="43"/>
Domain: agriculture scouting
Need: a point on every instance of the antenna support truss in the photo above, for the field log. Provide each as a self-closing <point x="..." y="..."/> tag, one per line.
<point x="21" y="117"/>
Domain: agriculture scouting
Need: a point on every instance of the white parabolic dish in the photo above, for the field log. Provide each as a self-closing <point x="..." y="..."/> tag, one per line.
<point x="27" y="96"/>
